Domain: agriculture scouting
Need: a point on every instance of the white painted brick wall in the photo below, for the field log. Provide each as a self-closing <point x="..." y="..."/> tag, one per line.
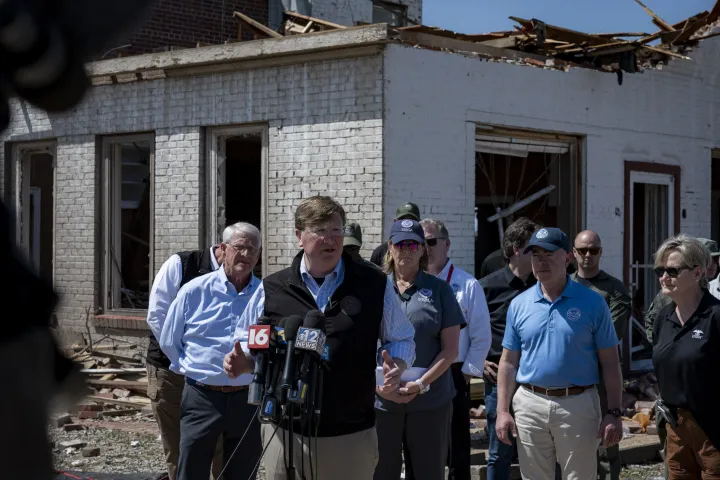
<point x="77" y="228"/>
<point x="325" y="134"/>
<point x="350" y="12"/>
<point x="668" y="117"/>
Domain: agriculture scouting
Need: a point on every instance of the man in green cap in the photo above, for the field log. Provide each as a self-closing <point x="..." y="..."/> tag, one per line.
<point x="408" y="210"/>
<point x="352" y="240"/>
<point x="660" y="301"/>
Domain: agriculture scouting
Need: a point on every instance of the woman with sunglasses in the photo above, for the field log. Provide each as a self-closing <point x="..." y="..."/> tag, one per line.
<point x="686" y="355"/>
<point x="414" y="417"/>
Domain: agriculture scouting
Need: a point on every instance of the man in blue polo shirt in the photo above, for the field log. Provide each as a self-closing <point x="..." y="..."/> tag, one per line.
<point x="557" y="333"/>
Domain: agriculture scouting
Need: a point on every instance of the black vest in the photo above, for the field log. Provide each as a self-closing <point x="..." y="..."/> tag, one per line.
<point x="195" y="263"/>
<point x="349" y="385"/>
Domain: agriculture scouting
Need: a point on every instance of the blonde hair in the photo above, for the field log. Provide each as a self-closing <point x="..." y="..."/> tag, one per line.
<point x="390" y="262"/>
<point x="693" y="252"/>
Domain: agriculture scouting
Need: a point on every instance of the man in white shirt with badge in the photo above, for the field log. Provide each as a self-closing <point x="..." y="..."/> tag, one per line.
<point x="474" y="340"/>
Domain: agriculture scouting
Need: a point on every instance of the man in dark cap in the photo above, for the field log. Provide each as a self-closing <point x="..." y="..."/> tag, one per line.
<point x="352" y="240"/>
<point x="410" y="211"/>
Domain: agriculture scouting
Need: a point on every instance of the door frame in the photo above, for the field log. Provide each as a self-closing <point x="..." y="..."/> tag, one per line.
<point x="652" y="168"/>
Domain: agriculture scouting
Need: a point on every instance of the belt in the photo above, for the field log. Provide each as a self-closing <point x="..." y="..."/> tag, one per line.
<point x="558" y="392"/>
<point x="217" y="388"/>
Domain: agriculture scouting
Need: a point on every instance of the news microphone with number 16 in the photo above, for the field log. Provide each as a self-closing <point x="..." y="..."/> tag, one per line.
<point x="270" y="411"/>
<point x="259" y="345"/>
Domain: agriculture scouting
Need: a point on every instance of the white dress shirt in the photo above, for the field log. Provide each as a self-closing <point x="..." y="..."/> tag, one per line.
<point x="165" y="288"/>
<point x="476" y="338"/>
<point x="714" y="287"/>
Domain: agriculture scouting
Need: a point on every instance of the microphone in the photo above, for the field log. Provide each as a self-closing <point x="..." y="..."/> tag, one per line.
<point x="311" y="339"/>
<point x="270" y="410"/>
<point x="259" y="345"/>
<point x="291" y="329"/>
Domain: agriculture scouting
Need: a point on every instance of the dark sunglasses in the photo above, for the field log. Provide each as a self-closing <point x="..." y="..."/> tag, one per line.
<point x="584" y="251"/>
<point x="671" y="271"/>
<point x="413" y="246"/>
<point x="431" y="242"/>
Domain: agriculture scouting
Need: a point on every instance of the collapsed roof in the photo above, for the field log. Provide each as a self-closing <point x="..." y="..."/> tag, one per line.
<point x="534" y="42"/>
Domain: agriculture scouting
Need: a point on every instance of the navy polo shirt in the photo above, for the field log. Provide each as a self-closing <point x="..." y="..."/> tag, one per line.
<point x="559" y="340"/>
<point x="431" y="307"/>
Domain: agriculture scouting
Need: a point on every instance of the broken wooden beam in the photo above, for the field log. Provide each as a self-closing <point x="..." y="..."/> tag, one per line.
<point x="656" y="19"/>
<point x="257" y="26"/>
<point x="559" y="33"/>
<point x="126" y="403"/>
<point x="324" y="23"/>
<point x="118" y="371"/>
<point x="132" y="386"/>
<point x="666" y="52"/>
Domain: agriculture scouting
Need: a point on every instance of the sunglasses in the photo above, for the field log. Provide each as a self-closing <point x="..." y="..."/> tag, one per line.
<point x="431" y="242"/>
<point x="413" y="246"/>
<point x="585" y="251"/>
<point x="671" y="271"/>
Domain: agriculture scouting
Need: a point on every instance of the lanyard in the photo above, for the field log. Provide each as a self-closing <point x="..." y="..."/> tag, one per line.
<point x="450" y="272"/>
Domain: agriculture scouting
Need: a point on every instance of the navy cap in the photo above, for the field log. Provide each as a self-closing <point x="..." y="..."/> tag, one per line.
<point x="407" y="230"/>
<point x="550" y="239"/>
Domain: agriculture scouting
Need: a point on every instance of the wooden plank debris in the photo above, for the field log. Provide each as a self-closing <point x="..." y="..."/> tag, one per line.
<point x="257" y="27"/>
<point x="117" y="371"/>
<point x="656" y="19"/>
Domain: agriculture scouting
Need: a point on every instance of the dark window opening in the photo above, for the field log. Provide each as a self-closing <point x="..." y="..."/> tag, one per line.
<point x="393" y="14"/>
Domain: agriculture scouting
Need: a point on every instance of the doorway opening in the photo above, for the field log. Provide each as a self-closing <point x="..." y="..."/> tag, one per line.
<point x="237" y="166"/>
<point x="523" y="174"/>
<point x="35" y="200"/>
<point x="652" y="204"/>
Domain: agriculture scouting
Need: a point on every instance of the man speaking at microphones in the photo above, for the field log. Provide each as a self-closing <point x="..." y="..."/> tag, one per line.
<point x="360" y="307"/>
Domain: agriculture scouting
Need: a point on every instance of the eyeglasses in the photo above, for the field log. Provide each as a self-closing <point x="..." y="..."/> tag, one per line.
<point x="671" y="271"/>
<point x="413" y="246"/>
<point x="431" y="242"/>
<point x="585" y="251"/>
<point x="326" y="231"/>
<point x="244" y="249"/>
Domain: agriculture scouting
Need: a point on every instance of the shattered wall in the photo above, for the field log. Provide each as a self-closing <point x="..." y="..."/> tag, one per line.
<point x="325" y="133"/>
<point x="433" y="99"/>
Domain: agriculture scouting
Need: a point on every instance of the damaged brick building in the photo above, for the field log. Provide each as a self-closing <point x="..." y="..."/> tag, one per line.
<point x="611" y="132"/>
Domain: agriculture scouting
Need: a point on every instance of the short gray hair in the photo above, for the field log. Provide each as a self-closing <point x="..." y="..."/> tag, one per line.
<point x="429" y="222"/>
<point x="692" y="251"/>
<point x="242" y="228"/>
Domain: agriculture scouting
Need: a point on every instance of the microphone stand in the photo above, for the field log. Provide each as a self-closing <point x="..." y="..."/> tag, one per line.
<point x="290" y="468"/>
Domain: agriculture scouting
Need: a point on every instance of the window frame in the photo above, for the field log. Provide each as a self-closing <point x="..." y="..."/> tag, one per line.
<point x="110" y="232"/>
<point x="395" y="8"/>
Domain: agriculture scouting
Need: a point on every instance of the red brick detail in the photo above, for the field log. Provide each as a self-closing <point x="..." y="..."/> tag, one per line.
<point x="184" y="23"/>
<point x="128" y="322"/>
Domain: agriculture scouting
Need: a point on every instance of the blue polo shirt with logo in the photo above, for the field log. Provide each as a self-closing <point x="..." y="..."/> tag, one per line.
<point x="559" y="340"/>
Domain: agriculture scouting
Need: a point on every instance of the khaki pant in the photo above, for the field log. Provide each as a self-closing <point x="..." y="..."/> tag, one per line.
<point x="347" y="457"/>
<point x="557" y="429"/>
<point x="165" y="390"/>
<point x="689" y="453"/>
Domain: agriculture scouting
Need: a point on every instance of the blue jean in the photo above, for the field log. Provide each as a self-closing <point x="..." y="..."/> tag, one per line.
<point x="500" y="454"/>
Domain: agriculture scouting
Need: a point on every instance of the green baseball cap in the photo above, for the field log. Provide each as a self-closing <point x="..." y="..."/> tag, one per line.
<point x="711" y="245"/>
<point x="352" y="234"/>
<point x="409" y="210"/>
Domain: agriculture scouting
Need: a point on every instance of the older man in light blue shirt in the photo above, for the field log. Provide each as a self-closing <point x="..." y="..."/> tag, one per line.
<point x="197" y="333"/>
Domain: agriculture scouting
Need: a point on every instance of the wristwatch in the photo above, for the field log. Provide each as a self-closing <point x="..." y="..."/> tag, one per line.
<point x="423" y="388"/>
<point x="615" y="412"/>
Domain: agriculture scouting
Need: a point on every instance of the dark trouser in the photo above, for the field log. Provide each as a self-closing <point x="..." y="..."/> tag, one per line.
<point x="500" y="455"/>
<point x="459" y="455"/>
<point x="608" y="460"/>
<point x="205" y="415"/>
<point x="423" y="436"/>
<point x="165" y="390"/>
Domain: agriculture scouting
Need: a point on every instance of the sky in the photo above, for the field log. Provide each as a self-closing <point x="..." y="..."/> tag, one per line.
<point x="590" y="16"/>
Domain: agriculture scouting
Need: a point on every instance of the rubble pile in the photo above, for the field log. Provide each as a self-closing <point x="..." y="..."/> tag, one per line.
<point x="639" y="398"/>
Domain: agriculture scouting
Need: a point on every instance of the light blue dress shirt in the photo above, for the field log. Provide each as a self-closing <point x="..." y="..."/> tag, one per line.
<point x="396" y="332"/>
<point x="198" y="330"/>
<point x="165" y="288"/>
<point x="559" y="340"/>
